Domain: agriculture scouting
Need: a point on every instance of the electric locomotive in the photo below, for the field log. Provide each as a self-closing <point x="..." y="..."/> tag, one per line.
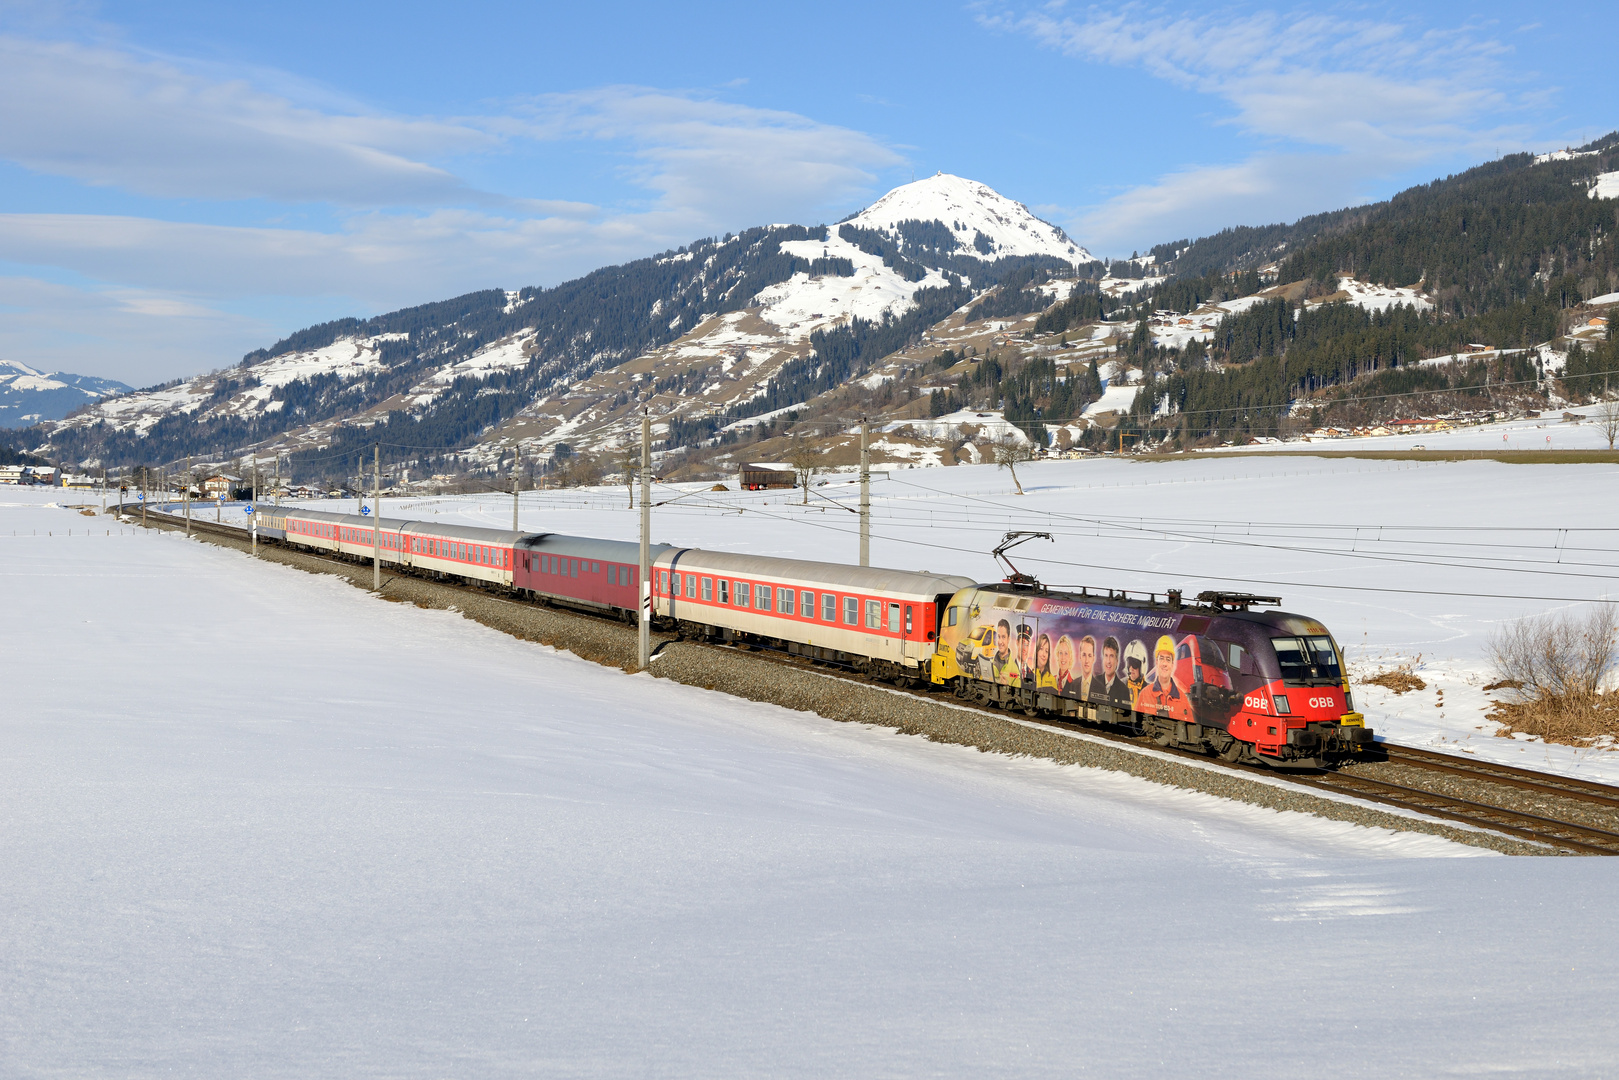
<point x="1214" y="676"/>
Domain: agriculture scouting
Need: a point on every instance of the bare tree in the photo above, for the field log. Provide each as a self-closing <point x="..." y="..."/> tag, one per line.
<point x="629" y="463"/>
<point x="806" y="462"/>
<point x="1607" y="415"/>
<point x="1009" y="451"/>
<point x="1556" y="656"/>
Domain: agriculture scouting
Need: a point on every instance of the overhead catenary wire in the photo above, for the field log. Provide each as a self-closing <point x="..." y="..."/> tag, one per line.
<point x="1203" y="576"/>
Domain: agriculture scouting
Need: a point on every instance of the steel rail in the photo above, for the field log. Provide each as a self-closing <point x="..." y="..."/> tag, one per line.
<point x="1518" y="824"/>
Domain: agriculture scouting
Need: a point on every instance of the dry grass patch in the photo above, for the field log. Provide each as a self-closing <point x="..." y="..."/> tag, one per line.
<point x="1572" y="719"/>
<point x="1555" y="666"/>
<point x="1401" y="679"/>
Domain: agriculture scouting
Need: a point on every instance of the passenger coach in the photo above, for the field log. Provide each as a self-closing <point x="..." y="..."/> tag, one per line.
<point x="884" y="621"/>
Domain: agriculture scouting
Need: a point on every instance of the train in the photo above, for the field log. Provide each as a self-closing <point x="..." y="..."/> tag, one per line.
<point x="1224" y="674"/>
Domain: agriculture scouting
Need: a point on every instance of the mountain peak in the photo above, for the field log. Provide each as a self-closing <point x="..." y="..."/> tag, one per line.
<point x="970" y="209"/>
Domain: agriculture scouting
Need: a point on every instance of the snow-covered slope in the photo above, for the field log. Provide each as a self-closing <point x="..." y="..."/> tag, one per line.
<point x="970" y="209"/>
<point x="1606" y="186"/>
<point x="28" y="396"/>
<point x="807" y="303"/>
<point x="497" y="860"/>
<point x="239" y="392"/>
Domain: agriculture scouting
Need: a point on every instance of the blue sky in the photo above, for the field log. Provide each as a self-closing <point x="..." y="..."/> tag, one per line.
<point x="185" y="182"/>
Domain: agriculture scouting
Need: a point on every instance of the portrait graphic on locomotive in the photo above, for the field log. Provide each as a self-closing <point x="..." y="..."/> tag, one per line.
<point x="1215" y="677"/>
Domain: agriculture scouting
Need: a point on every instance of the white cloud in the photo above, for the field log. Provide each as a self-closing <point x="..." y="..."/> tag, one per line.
<point x="712" y="158"/>
<point x="1348" y="83"/>
<point x="1262" y="190"/>
<point x="1330" y="106"/>
<point x="409" y="230"/>
<point x="109" y="118"/>
<point x="134" y="335"/>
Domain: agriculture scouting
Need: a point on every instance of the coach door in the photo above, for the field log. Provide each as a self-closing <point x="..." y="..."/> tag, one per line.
<point x="902" y="621"/>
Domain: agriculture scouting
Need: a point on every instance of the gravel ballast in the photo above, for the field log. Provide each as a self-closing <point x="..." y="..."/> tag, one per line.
<point x="762" y="678"/>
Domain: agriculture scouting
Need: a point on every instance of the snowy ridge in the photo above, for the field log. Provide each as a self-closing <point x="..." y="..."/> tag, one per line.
<point x="805" y="303"/>
<point x="968" y="208"/>
<point x="28" y="395"/>
<point x="1564" y="155"/>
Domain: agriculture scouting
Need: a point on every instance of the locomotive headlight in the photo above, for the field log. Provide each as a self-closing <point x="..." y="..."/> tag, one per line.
<point x="1282" y="707"/>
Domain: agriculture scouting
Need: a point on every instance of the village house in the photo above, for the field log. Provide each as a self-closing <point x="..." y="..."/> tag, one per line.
<point x="221" y="486"/>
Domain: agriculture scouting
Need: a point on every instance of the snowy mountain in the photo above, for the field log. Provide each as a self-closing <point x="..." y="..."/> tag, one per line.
<point x="708" y="331"/>
<point x="980" y="219"/>
<point x="28" y="396"/>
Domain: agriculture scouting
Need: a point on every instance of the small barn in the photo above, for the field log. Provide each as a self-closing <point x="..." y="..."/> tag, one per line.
<point x="764" y="477"/>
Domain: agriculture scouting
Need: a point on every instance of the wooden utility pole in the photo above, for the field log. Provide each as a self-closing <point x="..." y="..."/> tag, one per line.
<point x="645" y="652"/>
<point x="376" y="518"/>
<point x="865" y="493"/>
<point x="188" y="494"/>
<point x="517" y="478"/>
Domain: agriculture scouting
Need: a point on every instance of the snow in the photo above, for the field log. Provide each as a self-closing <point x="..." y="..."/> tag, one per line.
<point x="803" y="304"/>
<point x="1382" y="297"/>
<point x="347" y="358"/>
<point x="507" y="355"/>
<point x="260" y="823"/>
<point x="1606" y="298"/>
<point x="1114" y="399"/>
<point x="1606" y="186"/>
<point x="1547" y="432"/>
<point x="1564" y="155"/>
<point x="966" y="208"/>
<point x="17" y="376"/>
<point x="398" y="843"/>
<point x="1346" y="530"/>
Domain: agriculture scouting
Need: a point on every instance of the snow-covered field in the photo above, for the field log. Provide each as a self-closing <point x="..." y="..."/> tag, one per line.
<point x="1409" y="562"/>
<point x="1547" y="432"/>
<point x="260" y="824"/>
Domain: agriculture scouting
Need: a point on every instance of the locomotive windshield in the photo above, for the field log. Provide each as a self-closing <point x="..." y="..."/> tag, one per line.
<point x="1307" y="659"/>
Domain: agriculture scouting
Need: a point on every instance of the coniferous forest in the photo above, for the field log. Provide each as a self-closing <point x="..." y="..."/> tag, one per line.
<point x="1502" y="254"/>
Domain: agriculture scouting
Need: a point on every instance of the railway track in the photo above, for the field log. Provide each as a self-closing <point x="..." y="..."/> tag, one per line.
<point x="1519" y="823"/>
<point x="1504" y="799"/>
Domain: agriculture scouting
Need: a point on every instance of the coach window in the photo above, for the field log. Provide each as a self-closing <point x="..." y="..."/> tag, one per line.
<point x="742" y="592"/>
<point x="725" y="591"/>
<point x="676" y="590"/>
<point x="874" y="614"/>
<point x="761" y="597"/>
<point x="829" y="607"/>
<point x="893" y="618"/>
<point x="907" y="620"/>
<point x="595" y="568"/>
<point x="851" y="610"/>
<point x="612" y="574"/>
<point x="708" y="588"/>
<point x="784" y="601"/>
